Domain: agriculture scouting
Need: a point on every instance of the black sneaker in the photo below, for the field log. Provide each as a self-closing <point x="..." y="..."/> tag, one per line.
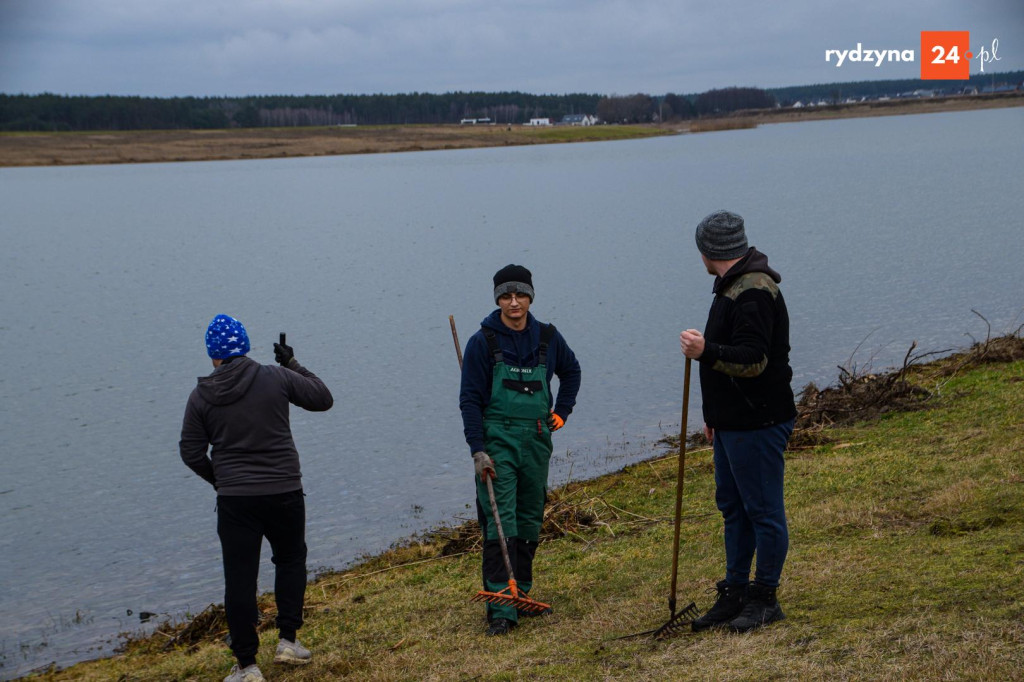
<point x="500" y="626"/>
<point x="730" y="602"/>
<point x="533" y="614"/>
<point x="762" y="608"/>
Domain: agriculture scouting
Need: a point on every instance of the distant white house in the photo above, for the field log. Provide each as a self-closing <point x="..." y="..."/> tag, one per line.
<point x="539" y="122"/>
<point x="578" y="120"/>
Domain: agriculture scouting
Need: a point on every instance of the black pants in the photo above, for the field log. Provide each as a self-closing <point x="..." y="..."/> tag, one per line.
<point x="520" y="554"/>
<point x="242" y="523"/>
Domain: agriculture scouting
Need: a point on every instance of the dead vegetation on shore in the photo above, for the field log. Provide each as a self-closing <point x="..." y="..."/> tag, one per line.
<point x="862" y="395"/>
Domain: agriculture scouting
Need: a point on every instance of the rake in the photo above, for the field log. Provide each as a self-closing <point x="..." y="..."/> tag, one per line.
<point x="508" y="596"/>
<point x="688" y="613"/>
<point x="682" y="618"/>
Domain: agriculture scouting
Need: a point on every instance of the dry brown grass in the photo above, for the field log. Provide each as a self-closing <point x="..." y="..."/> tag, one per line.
<point x="147" y="146"/>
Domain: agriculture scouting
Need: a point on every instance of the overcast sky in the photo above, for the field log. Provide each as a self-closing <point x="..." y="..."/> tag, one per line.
<point x="257" y="47"/>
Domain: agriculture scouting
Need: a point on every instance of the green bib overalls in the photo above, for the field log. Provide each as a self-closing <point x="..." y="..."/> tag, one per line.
<point x="518" y="439"/>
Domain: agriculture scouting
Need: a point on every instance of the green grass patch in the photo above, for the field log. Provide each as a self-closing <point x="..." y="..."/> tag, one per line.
<point x="596" y="133"/>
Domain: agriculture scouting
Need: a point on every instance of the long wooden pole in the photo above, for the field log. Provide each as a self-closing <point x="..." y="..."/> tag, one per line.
<point x="455" y="338"/>
<point x="679" y="487"/>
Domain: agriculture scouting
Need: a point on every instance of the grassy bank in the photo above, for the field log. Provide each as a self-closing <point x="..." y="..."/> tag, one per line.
<point x="906" y="560"/>
<point x="149" y="146"/>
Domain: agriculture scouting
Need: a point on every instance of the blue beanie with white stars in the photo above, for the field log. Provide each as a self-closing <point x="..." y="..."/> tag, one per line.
<point x="226" y="337"/>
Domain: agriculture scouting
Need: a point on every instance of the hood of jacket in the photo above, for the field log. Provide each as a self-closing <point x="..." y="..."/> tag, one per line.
<point x="519" y="347"/>
<point x="228" y="383"/>
<point x="754" y="261"/>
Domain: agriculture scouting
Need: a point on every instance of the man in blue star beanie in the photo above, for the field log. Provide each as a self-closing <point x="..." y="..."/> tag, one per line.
<point x="226" y="337"/>
<point x="236" y="435"/>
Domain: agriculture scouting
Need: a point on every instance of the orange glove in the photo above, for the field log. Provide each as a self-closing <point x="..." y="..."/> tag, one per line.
<point x="555" y="422"/>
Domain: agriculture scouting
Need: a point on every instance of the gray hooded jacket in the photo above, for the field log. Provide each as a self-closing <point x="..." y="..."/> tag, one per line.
<point x="240" y="414"/>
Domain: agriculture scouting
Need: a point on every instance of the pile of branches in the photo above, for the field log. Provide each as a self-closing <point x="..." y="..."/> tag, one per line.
<point x="570" y="512"/>
<point x="858" y="396"/>
<point x="210" y="625"/>
<point x="1008" y="348"/>
<point x="861" y="395"/>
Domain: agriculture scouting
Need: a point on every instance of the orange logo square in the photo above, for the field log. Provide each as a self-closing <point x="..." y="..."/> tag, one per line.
<point x="945" y="55"/>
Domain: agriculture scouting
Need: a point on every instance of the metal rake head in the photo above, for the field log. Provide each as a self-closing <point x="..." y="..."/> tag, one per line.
<point x="678" y="621"/>
<point x="507" y="598"/>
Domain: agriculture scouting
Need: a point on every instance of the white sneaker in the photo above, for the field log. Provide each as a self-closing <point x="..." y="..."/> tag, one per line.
<point x="249" y="673"/>
<point x="292" y="652"/>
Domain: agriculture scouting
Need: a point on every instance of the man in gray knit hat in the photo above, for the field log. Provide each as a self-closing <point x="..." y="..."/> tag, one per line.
<point x="748" y="416"/>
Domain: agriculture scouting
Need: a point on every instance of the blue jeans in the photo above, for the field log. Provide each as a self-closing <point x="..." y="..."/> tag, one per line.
<point x="749" y="468"/>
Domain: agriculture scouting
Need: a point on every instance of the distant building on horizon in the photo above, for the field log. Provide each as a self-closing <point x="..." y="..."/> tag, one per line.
<point x="578" y="120"/>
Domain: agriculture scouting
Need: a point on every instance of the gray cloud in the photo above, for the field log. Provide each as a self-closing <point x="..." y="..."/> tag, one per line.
<point x="217" y="47"/>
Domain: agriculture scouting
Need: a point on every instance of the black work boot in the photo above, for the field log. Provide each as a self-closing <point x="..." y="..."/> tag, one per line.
<point x="500" y="626"/>
<point x="762" y="608"/>
<point x="730" y="602"/>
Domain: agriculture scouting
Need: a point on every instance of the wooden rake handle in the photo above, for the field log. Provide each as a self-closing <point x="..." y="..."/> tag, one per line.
<point x="679" y="486"/>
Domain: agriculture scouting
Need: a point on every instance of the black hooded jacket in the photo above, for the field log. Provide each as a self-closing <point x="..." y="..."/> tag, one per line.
<point x="241" y="410"/>
<point x="744" y="370"/>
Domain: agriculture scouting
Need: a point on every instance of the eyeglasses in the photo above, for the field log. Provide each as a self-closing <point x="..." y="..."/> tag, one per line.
<point x="508" y="298"/>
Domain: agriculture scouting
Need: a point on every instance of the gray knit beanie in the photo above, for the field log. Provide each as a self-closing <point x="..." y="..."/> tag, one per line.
<point x="720" y="236"/>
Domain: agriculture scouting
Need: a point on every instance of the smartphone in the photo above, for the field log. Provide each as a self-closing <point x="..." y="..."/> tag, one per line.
<point x="282" y="339"/>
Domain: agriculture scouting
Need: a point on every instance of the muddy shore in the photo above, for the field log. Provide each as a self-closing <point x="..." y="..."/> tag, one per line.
<point x="154" y="146"/>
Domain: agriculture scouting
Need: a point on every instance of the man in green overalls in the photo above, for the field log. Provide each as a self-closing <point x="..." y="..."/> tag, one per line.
<point x="508" y="418"/>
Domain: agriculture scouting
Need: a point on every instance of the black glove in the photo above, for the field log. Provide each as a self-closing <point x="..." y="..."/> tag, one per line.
<point x="284" y="354"/>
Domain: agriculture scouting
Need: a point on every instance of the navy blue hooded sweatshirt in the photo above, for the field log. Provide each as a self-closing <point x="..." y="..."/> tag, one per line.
<point x="519" y="348"/>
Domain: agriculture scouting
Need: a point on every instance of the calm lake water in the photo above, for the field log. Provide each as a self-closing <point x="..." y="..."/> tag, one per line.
<point x="886" y="231"/>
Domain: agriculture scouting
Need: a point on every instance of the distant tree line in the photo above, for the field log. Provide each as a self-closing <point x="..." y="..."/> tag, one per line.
<point x="49" y="112"/>
<point x="59" y="112"/>
<point x="641" y="108"/>
<point x="630" y="109"/>
<point x="732" y="99"/>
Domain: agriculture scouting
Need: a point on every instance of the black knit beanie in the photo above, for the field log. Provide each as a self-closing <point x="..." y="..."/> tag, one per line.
<point x="513" y="279"/>
<point x="721" y="236"/>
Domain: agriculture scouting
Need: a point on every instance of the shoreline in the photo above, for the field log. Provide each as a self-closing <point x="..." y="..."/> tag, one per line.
<point x="377" y="607"/>
<point x="848" y="421"/>
<point x="33" y="149"/>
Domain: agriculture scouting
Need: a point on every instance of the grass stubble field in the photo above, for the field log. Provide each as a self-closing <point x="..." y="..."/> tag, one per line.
<point x="905" y="495"/>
